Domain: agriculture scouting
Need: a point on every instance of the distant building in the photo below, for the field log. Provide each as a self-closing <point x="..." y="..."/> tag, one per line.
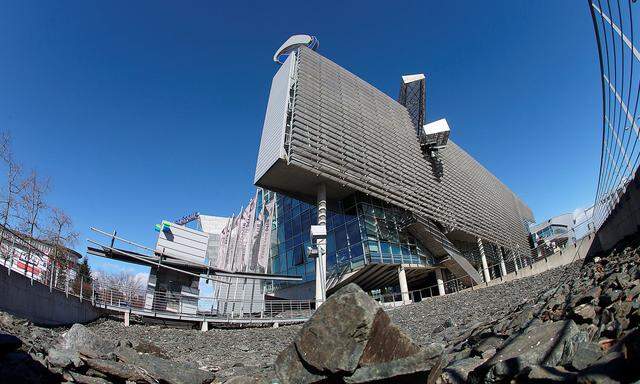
<point x="34" y="257"/>
<point x="555" y="233"/>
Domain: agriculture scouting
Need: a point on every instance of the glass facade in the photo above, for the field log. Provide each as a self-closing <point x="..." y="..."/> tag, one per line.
<point x="551" y="231"/>
<point x="360" y="230"/>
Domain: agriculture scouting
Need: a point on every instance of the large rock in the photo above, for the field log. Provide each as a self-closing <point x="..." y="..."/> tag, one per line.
<point x="63" y="358"/>
<point x="119" y="370"/>
<point x="458" y="371"/>
<point x="290" y="369"/>
<point x="548" y="344"/>
<point x="162" y="370"/>
<point x="351" y="338"/>
<point x="422" y="367"/>
<point x="348" y="330"/>
<point x="334" y="339"/>
<point x="86" y="342"/>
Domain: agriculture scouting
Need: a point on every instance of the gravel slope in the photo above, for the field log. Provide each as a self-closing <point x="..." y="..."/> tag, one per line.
<point x="252" y="351"/>
<point x="441" y="318"/>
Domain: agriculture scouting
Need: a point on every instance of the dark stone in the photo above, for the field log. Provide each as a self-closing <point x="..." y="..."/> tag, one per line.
<point x="146" y="347"/>
<point x="386" y="342"/>
<point x="119" y="370"/>
<point x="542" y="374"/>
<point x="163" y="370"/>
<point x="622" y="309"/>
<point x="586" y="354"/>
<point x="490" y="343"/>
<point x="590" y="296"/>
<point x="87" y="343"/>
<point x="584" y="313"/>
<point x="290" y="369"/>
<point x="9" y="343"/>
<point x="609" y="297"/>
<point x="458" y="371"/>
<point x="349" y="330"/>
<point x="243" y="380"/>
<point x="84" y="379"/>
<point x="549" y="344"/>
<point x="63" y="358"/>
<point x="334" y="338"/>
<point x="423" y="367"/>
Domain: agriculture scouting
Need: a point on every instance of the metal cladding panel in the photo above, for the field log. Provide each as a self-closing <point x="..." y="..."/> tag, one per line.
<point x="183" y="243"/>
<point x="348" y="132"/>
<point x="273" y="130"/>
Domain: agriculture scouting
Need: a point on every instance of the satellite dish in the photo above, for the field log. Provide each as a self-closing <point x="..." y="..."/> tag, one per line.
<point x="292" y="44"/>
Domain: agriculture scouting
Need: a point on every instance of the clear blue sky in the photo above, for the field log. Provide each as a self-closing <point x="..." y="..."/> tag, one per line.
<point x="149" y="110"/>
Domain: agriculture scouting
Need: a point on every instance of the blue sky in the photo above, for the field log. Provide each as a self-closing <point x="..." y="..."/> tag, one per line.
<point x="149" y="110"/>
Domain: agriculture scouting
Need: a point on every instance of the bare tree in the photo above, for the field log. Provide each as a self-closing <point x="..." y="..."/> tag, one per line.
<point x="121" y="286"/>
<point x="61" y="235"/>
<point x="11" y="192"/>
<point x="32" y="204"/>
<point x="34" y="190"/>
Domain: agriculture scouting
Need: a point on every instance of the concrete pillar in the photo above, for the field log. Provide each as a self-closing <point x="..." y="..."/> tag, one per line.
<point x="440" y="280"/>
<point x="126" y="319"/>
<point x="404" y="287"/>
<point x="483" y="258"/>
<point x="515" y="261"/>
<point x="503" y="266"/>
<point x="204" y="327"/>
<point x="321" y="260"/>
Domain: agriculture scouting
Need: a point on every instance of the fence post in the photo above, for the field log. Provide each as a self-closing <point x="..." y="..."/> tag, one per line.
<point x="51" y="278"/>
<point x="93" y="294"/>
<point x="81" y="285"/>
<point x="11" y="253"/>
<point x="66" y="287"/>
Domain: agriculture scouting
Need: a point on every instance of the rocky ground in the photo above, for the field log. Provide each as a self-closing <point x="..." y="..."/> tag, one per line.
<point x="577" y="323"/>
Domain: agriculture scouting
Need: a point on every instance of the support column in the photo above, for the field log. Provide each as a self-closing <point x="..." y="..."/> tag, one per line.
<point x="404" y="287"/>
<point x="205" y="326"/>
<point x="440" y="280"/>
<point x="483" y="258"/>
<point x="126" y="319"/>
<point x="321" y="260"/>
<point x="515" y="260"/>
<point x="503" y="266"/>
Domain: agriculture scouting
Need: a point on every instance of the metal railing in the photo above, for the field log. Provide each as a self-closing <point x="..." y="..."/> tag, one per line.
<point x="511" y="264"/>
<point x="20" y="255"/>
<point x="619" y="58"/>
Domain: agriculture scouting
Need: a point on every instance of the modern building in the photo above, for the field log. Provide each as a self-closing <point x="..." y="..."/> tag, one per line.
<point x="366" y="192"/>
<point x="353" y="186"/>
<point x="35" y="258"/>
<point x="555" y="233"/>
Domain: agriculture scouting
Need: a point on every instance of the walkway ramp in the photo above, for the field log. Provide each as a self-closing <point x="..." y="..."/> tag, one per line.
<point x="429" y="235"/>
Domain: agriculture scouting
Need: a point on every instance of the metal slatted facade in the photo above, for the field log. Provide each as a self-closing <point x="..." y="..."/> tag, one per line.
<point x="344" y="130"/>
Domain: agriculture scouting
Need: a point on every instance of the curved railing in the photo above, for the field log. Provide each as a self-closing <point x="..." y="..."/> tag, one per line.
<point x="21" y="255"/>
<point x="616" y="35"/>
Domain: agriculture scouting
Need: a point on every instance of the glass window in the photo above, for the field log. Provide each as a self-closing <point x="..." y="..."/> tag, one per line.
<point x="331" y="258"/>
<point x="331" y="242"/>
<point x="373" y="247"/>
<point x="356" y="250"/>
<point x="385" y="247"/>
<point x="298" y="255"/>
<point x="341" y="237"/>
<point x="295" y="225"/>
<point x="353" y="231"/>
<point x="343" y="255"/>
<point x="290" y="260"/>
